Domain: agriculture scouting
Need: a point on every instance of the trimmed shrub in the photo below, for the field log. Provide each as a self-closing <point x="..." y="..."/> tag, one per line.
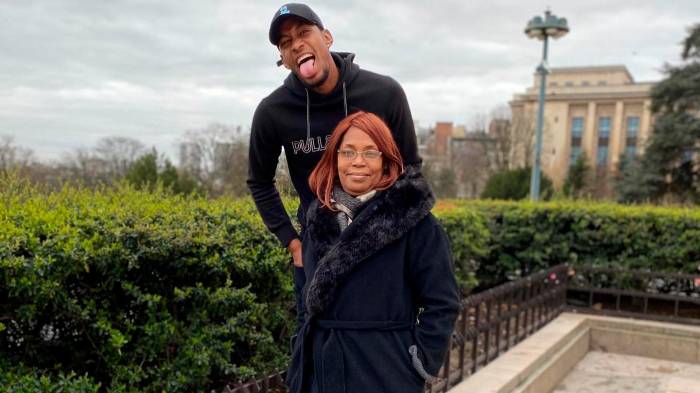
<point x="142" y="291"/>
<point x="468" y="236"/>
<point x="19" y="379"/>
<point x="526" y="236"/>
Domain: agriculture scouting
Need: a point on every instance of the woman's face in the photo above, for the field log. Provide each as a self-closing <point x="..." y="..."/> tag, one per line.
<point x="360" y="174"/>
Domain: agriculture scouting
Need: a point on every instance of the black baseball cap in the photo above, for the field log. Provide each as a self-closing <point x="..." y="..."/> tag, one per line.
<point x="302" y="11"/>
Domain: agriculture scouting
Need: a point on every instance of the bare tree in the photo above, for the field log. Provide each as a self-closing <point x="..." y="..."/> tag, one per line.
<point x="232" y="168"/>
<point x="523" y="138"/>
<point x="472" y="163"/>
<point x="283" y="181"/>
<point x="118" y="153"/>
<point x="500" y="137"/>
<point x="82" y="165"/>
<point x="442" y="178"/>
<point x="217" y="157"/>
<point x="510" y="139"/>
<point x="108" y="161"/>
<point x="14" y="157"/>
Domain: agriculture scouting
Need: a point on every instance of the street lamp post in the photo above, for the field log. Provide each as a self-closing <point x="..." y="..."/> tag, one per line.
<point x="541" y="29"/>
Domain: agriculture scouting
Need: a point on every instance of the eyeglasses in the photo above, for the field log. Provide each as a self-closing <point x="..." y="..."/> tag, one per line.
<point x="349" y="154"/>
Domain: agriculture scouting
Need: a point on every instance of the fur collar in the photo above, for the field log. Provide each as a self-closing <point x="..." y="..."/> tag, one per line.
<point x="384" y="219"/>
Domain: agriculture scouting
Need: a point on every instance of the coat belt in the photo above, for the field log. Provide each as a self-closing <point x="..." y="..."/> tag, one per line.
<point x="363" y="325"/>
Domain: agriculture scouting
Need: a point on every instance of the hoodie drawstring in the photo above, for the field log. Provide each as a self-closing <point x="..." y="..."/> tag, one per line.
<point x="345" y="100"/>
<point x="308" y="109"/>
<point x="308" y="116"/>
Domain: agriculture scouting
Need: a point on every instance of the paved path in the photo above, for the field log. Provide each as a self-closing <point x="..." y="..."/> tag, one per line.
<point x="600" y="372"/>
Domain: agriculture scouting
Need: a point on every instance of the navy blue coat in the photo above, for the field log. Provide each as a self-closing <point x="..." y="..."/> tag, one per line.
<point x="379" y="300"/>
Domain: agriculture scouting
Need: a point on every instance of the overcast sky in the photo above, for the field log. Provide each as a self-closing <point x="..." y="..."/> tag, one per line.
<point x="72" y="72"/>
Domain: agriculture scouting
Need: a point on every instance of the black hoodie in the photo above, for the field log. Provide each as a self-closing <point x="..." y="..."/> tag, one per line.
<point x="300" y="120"/>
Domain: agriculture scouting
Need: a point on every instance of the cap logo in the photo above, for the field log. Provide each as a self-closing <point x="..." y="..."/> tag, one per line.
<point x="284" y="10"/>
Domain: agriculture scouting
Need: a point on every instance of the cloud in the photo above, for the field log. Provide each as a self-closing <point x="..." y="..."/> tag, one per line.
<point x="73" y="71"/>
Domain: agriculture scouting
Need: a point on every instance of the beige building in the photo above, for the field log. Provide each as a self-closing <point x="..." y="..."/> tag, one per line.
<point x="601" y="111"/>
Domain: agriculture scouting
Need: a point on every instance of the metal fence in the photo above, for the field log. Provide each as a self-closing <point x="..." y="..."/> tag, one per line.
<point x="273" y="383"/>
<point x="631" y="293"/>
<point x="493" y="321"/>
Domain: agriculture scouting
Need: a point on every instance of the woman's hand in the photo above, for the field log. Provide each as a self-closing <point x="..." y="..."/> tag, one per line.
<point x="294" y="248"/>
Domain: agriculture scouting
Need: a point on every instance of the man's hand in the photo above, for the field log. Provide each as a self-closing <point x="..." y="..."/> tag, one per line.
<point x="294" y="248"/>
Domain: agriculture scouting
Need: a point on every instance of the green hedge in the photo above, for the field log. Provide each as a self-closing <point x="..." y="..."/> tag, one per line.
<point x="468" y="235"/>
<point x="19" y="379"/>
<point x="123" y="290"/>
<point x="142" y="291"/>
<point x="526" y="236"/>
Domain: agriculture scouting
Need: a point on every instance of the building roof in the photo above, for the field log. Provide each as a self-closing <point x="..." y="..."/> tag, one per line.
<point x="585" y="83"/>
<point x="592" y="68"/>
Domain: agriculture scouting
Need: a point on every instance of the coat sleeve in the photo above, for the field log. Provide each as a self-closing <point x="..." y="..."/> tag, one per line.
<point x="299" y="282"/>
<point x="263" y="154"/>
<point x="435" y="291"/>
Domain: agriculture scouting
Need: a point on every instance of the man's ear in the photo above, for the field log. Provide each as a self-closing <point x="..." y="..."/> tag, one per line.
<point x="327" y="38"/>
<point x="281" y="62"/>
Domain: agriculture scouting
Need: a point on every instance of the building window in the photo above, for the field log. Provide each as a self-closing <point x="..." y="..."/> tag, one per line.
<point x="552" y="84"/>
<point x="575" y="153"/>
<point x="576" y="135"/>
<point x="602" y="157"/>
<point x="585" y="83"/>
<point x="632" y="132"/>
<point x="569" y="83"/>
<point x="602" y="83"/>
<point x="603" y="140"/>
<point x="604" y="129"/>
<point x="577" y="128"/>
<point x="632" y="127"/>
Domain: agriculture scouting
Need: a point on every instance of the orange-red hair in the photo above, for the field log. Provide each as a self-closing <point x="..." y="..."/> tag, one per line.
<point x="325" y="175"/>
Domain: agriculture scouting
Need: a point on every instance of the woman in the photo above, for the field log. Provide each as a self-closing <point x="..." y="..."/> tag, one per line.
<point x="373" y="257"/>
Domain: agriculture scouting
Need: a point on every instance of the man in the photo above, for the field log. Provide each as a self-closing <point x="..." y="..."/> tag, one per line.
<point x="321" y="89"/>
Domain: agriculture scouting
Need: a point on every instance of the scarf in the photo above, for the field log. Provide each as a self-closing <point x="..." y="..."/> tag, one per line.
<point x="347" y="205"/>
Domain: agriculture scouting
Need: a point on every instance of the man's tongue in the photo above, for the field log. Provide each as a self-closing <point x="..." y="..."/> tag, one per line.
<point x="307" y="68"/>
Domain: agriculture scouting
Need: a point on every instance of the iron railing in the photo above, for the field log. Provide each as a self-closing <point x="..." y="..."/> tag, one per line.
<point x="492" y="321"/>
<point x="273" y="383"/>
<point x="657" y="296"/>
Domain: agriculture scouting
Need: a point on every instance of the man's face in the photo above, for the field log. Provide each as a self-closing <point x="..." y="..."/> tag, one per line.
<point x="305" y="50"/>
